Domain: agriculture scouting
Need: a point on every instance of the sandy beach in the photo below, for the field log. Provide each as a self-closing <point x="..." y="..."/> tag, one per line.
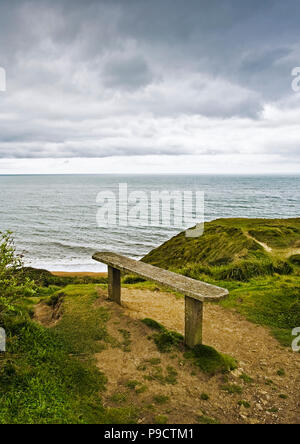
<point x="78" y="274"/>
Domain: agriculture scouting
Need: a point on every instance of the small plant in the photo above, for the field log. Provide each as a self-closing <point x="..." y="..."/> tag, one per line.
<point x="247" y="379"/>
<point x="273" y="410"/>
<point x="161" y="399"/>
<point x="141" y="389"/>
<point x="281" y="372"/>
<point x="209" y="360"/>
<point x="207" y="420"/>
<point x="153" y="324"/>
<point x="295" y="259"/>
<point x="171" y="377"/>
<point x="232" y="389"/>
<point x="165" y="340"/>
<point x="119" y="397"/>
<point x="159" y="375"/>
<point x="141" y="368"/>
<point x="132" y="279"/>
<point x="154" y="361"/>
<point x="283" y="396"/>
<point x="13" y="284"/>
<point x="204" y="397"/>
<point x="244" y="404"/>
<point x="161" y="419"/>
<point x="150" y="407"/>
<point x="126" y="339"/>
<point x="269" y="382"/>
<point x="132" y="384"/>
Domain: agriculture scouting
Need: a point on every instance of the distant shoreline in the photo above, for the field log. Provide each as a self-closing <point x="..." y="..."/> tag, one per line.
<point x="78" y="274"/>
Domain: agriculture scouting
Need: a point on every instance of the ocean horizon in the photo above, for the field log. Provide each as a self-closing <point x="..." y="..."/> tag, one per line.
<point x="53" y="217"/>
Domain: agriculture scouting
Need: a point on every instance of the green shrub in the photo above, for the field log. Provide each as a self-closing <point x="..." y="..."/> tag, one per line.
<point x="232" y="389"/>
<point x="132" y="279"/>
<point x="160" y="419"/>
<point x="210" y="361"/>
<point x="295" y="259"/>
<point x="161" y="399"/>
<point x="165" y="340"/>
<point x="13" y="286"/>
<point x="153" y="324"/>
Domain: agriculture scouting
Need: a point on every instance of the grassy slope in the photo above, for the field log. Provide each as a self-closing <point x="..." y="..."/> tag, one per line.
<point x="264" y="285"/>
<point x="48" y="375"/>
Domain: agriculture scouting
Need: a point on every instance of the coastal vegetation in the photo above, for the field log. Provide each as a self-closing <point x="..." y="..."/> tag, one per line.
<point x="58" y="333"/>
<point x="256" y="259"/>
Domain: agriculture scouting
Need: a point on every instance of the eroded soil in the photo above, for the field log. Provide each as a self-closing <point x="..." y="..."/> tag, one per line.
<point x="168" y="387"/>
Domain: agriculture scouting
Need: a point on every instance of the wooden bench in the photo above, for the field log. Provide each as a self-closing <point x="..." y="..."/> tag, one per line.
<point x="195" y="292"/>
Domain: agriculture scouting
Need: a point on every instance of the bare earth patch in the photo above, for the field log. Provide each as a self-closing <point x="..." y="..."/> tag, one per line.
<point x="168" y="384"/>
<point x="46" y="315"/>
<point x="268" y="397"/>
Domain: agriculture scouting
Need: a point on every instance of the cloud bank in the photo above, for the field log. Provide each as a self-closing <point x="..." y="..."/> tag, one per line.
<point x="135" y="79"/>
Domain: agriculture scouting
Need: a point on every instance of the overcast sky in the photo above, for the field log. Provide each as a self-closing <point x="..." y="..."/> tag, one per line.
<point x="140" y="86"/>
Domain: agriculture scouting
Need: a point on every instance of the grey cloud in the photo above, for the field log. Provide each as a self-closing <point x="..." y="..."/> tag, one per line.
<point x="97" y="72"/>
<point x="129" y="73"/>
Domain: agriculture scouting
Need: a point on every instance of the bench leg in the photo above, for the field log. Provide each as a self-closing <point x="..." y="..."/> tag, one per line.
<point x="114" y="285"/>
<point x="193" y="322"/>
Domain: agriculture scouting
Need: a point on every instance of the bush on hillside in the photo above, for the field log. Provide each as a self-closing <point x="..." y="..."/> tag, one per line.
<point x="13" y="285"/>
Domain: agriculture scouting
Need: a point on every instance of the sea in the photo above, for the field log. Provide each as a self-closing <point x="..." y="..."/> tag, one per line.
<point x="55" y="218"/>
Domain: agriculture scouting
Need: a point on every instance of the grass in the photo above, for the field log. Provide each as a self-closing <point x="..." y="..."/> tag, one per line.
<point x="161" y="399"/>
<point x="230" y="240"/>
<point x="84" y="329"/>
<point x="160" y="419"/>
<point x="119" y="398"/>
<point x="132" y="384"/>
<point x="210" y="361"/>
<point x="163" y="376"/>
<point x="45" y="279"/>
<point x="206" y="358"/>
<point x="246" y="378"/>
<point x="245" y="404"/>
<point x="264" y="286"/>
<point x="154" y="361"/>
<point x="48" y="376"/>
<point x="232" y="389"/>
<point x="207" y="420"/>
<point x="40" y="383"/>
<point x="141" y="389"/>
<point x="164" y="339"/>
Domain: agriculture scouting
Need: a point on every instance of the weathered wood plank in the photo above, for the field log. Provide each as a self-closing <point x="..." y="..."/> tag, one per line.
<point x="114" y="285"/>
<point x="198" y="290"/>
<point x="193" y="322"/>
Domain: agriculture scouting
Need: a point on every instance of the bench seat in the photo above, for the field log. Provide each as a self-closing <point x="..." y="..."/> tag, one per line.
<point x="195" y="292"/>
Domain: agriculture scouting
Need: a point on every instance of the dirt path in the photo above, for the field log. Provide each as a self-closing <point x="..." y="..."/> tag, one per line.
<point x="287" y="252"/>
<point x="263" y="244"/>
<point x="272" y="398"/>
<point x="168" y="387"/>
